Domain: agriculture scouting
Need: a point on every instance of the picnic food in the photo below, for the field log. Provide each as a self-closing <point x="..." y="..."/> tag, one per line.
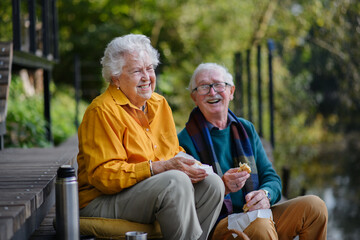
<point x="245" y="208"/>
<point x="198" y="163"/>
<point x="244" y="167"/>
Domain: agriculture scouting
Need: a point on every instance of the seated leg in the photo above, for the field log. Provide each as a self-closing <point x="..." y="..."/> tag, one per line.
<point x="305" y="216"/>
<point x="165" y="197"/>
<point x="261" y="229"/>
<point x="209" y="196"/>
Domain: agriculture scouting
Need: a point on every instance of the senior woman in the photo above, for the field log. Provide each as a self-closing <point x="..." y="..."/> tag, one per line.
<point x="129" y="162"/>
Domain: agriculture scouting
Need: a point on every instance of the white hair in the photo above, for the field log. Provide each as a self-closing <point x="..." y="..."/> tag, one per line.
<point x="113" y="60"/>
<point x="211" y="66"/>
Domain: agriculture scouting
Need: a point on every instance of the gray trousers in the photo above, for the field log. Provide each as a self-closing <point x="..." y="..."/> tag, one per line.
<point x="183" y="210"/>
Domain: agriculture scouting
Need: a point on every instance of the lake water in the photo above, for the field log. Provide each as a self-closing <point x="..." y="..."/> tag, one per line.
<point x="340" y="188"/>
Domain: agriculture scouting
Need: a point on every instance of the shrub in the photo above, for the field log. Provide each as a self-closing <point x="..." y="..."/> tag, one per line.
<point x="25" y="123"/>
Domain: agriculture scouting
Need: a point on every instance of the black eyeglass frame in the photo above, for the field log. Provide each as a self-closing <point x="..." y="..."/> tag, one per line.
<point x="211" y="86"/>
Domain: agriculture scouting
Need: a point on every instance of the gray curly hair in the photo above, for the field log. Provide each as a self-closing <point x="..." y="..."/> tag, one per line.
<point x="113" y="60"/>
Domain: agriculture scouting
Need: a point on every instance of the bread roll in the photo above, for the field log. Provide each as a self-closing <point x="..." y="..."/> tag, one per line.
<point x="244" y="167"/>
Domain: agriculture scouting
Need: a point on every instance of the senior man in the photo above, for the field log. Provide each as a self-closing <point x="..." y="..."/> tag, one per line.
<point x="214" y="135"/>
<point x="129" y="167"/>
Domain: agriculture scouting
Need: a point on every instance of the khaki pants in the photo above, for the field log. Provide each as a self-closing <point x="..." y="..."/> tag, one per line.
<point x="183" y="210"/>
<point x="304" y="216"/>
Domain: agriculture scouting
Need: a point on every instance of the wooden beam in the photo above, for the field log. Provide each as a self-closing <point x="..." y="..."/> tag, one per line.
<point x="28" y="60"/>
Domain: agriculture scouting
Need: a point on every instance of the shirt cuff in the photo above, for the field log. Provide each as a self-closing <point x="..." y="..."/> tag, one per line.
<point x="142" y="171"/>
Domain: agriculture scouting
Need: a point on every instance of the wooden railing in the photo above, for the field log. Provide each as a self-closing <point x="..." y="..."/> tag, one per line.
<point x="5" y="77"/>
<point x="241" y="67"/>
<point x="35" y="43"/>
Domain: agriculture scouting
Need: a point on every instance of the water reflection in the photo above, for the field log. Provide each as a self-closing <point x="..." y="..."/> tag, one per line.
<point x="341" y="188"/>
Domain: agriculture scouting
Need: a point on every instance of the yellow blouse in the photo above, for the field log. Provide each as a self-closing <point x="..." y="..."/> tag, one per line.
<point x="117" y="140"/>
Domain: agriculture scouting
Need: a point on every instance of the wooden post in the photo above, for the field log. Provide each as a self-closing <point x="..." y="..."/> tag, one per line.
<point x="271" y="95"/>
<point x="77" y="82"/>
<point x="285" y="181"/>
<point x="16" y="24"/>
<point x="259" y="90"/>
<point x="32" y="27"/>
<point x="47" y="73"/>
<point x="248" y="67"/>
<point x="239" y="93"/>
<point x="47" y="97"/>
<point x="55" y="29"/>
<point x="45" y="27"/>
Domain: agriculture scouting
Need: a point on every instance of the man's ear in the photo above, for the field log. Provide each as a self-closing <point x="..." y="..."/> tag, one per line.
<point x="232" y="91"/>
<point x="193" y="97"/>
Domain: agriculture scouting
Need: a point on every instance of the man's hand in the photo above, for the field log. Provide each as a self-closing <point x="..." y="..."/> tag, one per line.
<point x="234" y="180"/>
<point x="181" y="164"/>
<point x="257" y="200"/>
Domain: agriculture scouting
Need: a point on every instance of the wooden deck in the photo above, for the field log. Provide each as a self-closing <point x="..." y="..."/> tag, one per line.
<point x="46" y="230"/>
<point x="27" y="187"/>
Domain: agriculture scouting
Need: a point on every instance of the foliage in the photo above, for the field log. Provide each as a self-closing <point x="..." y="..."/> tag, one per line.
<point x="25" y="123"/>
<point x="5" y="21"/>
<point x="63" y="111"/>
<point x="321" y="47"/>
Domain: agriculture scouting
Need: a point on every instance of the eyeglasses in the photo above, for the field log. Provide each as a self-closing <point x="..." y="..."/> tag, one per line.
<point x="205" y="89"/>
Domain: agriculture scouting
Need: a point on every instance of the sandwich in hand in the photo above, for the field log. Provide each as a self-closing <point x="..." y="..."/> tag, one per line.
<point x="244" y="167"/>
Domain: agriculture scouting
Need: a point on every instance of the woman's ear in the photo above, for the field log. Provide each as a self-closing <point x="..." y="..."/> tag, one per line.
<point x="115" y="81"/>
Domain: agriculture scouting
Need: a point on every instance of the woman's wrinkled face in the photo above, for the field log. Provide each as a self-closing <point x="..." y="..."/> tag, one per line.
<point x="137" y="79"/>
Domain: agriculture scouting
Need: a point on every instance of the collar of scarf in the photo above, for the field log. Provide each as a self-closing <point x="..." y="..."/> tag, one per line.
<point x="241" y="149"/>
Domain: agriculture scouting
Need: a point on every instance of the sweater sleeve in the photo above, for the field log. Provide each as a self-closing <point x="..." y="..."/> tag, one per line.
<point x="268" y="178"/>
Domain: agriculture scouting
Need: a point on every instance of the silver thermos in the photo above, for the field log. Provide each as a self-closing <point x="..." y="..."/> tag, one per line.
<point x="67" y="204"/>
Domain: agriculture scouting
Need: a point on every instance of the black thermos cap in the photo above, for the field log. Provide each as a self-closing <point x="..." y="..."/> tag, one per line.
<point x="65" y="171"/>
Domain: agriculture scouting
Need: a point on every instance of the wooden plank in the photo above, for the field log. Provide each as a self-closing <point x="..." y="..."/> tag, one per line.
<point x="6" y="228"/>
<point x="46" y="229"/>
<point x="28" y="206"/>
<point x="4" y="62"/>
<point x="27" y="187"/>
<point x="5" y="48"/>
<point x="29" y="60"/>
<point x="34" y="221"/>
<point x="4" y="79"/>
<point x="28" y="172"/>
<point x="14" y="214"/>
<point x="21" y="210"/>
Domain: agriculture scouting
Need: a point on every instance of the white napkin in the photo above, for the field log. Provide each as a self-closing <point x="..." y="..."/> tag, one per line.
<point x="240" y="221"/>
<point x="207" y="168"/>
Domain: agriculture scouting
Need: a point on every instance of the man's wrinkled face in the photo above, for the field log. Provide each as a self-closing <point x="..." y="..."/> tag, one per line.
<point x="137" y="79"/>
<point x="214" y="103"/>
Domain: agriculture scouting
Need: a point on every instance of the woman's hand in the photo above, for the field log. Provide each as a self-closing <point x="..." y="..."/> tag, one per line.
<point x="257" y="200"/>
<point x="181" y="164"/>
<point x="234" y="180"/>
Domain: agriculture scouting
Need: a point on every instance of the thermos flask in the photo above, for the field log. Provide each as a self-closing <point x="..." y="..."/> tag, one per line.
<point x="67" y="204"/>
<point x="136" y="236"/>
